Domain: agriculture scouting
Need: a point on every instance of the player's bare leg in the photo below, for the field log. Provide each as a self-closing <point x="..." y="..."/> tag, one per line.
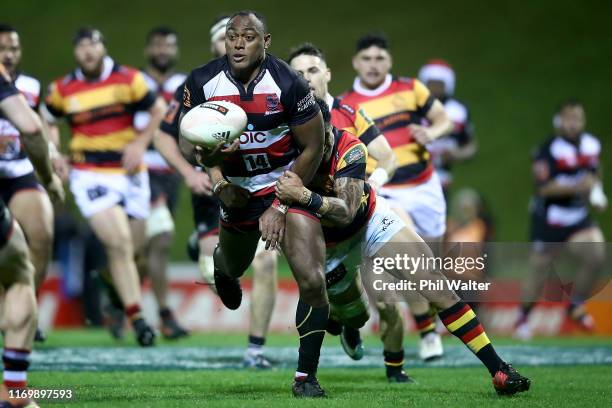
<point x="112" y="228"/>
<point x="263" y="298"/>
<point x="588" y="246"/>
<point x="540" y="267"/>
<point x="430" y="346"/>
<point x="304" y="248"/>
<point x="19" y="315"/>
<point x="456" y="315"/>
<point x="391" y="329"/>
<point x="159" y="232"/>
<point x="38" y="230"/>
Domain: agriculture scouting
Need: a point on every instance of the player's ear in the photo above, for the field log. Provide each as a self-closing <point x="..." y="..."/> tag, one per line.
<point x="355" y="62"/>
<point x="328" y="75"/>
<point x="267" y="40"/>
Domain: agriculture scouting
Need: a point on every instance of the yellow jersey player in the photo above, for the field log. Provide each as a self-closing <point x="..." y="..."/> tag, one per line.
<point x="108" y="178"/>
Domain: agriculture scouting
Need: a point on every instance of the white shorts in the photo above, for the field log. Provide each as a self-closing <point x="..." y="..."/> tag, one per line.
<point x="424" y="203"/>
<point x="97" y="191"/>
<point x="383" y="225"/>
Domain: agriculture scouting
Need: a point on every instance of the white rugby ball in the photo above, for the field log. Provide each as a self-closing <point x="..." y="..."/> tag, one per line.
<point x="212" y="122"/>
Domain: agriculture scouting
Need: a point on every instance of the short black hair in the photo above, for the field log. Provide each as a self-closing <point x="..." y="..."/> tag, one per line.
<point x="7" y="28"/>
<point x="246" y="13"/>
<point x="368" y="40"/>
<point x="324" y="111"/>
<point x="569" y="103"/>
<point x="161" y="31"/>
<point x="306" y="48"/>
<point x="88" y="32"/>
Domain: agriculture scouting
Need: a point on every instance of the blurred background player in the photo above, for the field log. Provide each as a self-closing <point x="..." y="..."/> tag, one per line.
<point x="460" y="144"/>
<point x="309" y="61"/>
<point x="566" y="168"/>
<point x="108" y="178"/>
<point x="205" y="238"/>
<point x="400" y="108"/>
<point x="19" y="188"/>
<point x="19" y="310"/>
<point x="161" y="52"/>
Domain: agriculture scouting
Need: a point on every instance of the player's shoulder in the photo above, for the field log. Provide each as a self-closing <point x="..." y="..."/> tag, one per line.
<point x="345" y="106"/>
<point x="27" y="83"/>
<point x="175" y="80"/>
<point x="404" y="82"/>
<point x="590" y="143"/>
<point x="349" y="146"/>
<point x="277" y="66"/>
<point x="125" y="72"/>
<point x="204" y="73"/>
<point x="456" y="109"/>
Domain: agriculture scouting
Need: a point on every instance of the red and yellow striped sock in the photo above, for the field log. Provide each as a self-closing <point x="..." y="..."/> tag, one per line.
<point x="462" y="322"/>
<point x="425" y="323"/>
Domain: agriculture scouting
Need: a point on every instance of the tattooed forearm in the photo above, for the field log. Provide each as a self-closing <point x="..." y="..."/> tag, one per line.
<point x="342" y="209"/>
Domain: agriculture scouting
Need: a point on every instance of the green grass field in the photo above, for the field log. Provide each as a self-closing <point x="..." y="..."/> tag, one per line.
<point x="565" y="372"/>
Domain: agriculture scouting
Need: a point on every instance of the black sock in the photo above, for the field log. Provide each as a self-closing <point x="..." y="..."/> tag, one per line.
<point x="394" y="362"/>
<point x="311" y="323"/>
<point x="165" y="313"/>
<point x="256" y="342"/>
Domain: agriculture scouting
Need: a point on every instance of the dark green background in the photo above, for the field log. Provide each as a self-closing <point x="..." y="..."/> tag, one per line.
<point x="514" y="62"/>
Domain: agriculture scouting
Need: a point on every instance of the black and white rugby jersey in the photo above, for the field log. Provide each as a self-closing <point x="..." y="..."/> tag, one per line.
<point x="13" y="159"/>
<point x="567" y="163"/>
<point x="275" y="100"/>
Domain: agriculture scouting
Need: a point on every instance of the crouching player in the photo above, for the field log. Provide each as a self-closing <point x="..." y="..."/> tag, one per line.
<point x="363" y="225"/>
<point x="19" y="311"/>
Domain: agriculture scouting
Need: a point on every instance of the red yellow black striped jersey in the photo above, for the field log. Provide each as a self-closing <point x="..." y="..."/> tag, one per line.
<point x="352" y="119"/>
<point x="348" y="159"/>
<point x="100" y="113"/>
<point x="394" y="105"/>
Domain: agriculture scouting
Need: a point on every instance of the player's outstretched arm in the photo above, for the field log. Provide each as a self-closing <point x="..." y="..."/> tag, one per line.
<point x="310" y="136"/>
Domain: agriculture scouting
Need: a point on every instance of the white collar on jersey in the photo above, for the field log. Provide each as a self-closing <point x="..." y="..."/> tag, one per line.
<point x="329" y="100"/>
<point x="372" y="92"/>
<point x="107" y="69"/>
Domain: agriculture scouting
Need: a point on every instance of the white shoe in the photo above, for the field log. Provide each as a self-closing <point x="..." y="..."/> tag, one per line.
<point x="523" y="331"/>
<point x="430" y="347"/>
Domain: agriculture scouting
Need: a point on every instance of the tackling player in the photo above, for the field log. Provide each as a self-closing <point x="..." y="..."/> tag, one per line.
<point x="460" y="144"/>
<point x="284" y="132"/>
<point x="357" y="224"/>
<point x="567" y="172"/>
<point x="20" y="190"/>
<point x="310" y="62"/>
<point x="108" y="178"/>
<point x="19" y="310"/>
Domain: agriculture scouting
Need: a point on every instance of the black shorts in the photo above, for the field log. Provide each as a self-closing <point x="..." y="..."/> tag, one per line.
<point x="541" y="231"/>
<point x="11" y="186"/>
<point x="205" y="214"/>
<point x="165" y="184"/>
<point x="246" y="219"/>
